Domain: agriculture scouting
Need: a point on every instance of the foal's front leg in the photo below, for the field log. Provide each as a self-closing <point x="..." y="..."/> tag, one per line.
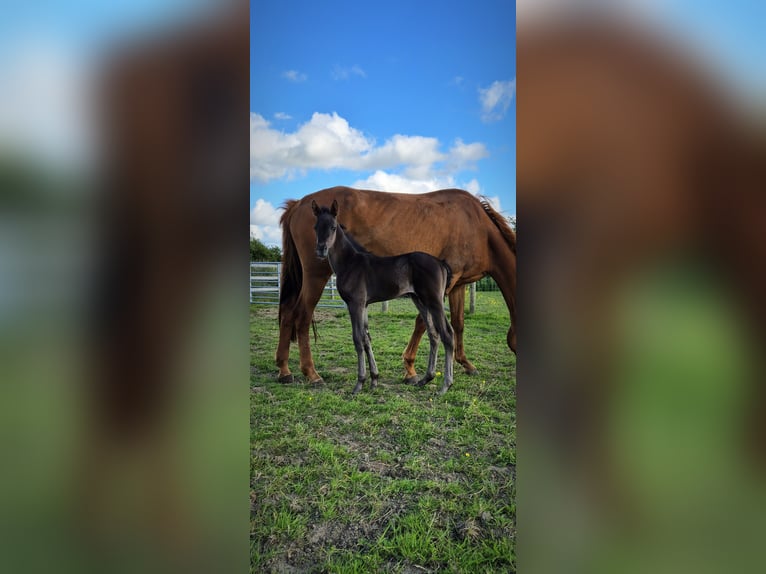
<point x="359" y="336"/>
<point x="368" y="350"/>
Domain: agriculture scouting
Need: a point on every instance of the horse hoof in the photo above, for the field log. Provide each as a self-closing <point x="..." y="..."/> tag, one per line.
<point x="411" y="380"/>
<point x="471" y="371"/>
<point x="287" y="379"/>
<point x="317" y="382"/>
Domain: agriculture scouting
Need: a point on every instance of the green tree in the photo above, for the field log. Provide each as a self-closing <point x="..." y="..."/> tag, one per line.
<point x="260" y="252"/>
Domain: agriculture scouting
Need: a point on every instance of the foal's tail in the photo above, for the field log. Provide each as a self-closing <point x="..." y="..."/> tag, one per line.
<point x="292" y="270"/>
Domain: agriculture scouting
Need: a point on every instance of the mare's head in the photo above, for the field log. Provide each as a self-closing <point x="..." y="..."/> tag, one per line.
<point x="325" y="227"/>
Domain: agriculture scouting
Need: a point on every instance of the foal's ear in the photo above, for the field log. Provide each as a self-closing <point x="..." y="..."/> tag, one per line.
<point x="334" y="208"/>
<point x="315" y="208"/>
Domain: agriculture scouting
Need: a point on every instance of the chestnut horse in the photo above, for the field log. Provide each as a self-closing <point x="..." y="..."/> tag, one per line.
<point x="468" y="234"/>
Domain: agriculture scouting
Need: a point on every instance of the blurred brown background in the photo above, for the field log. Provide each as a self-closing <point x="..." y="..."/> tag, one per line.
<point x="123" y="305"/>
<point x="641" y="279"/>
<point x="640" y="174"/>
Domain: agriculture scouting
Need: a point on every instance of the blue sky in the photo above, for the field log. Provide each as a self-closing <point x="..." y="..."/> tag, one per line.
<point x="395" y="95"/>
<point x="398" y="96"/>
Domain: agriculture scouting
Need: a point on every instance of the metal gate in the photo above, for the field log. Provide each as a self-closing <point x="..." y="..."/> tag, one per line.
<point x="265" y="285"/>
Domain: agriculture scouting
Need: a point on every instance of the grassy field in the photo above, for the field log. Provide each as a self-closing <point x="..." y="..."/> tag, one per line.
<point x="393" y="480"/>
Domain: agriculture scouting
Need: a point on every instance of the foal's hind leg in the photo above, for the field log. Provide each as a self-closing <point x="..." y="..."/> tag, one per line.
<point x="448" y="339"/>
<point x="433" y="338"/>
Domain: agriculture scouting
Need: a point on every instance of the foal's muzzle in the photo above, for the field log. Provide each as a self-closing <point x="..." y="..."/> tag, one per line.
<point x="321" y="251"/>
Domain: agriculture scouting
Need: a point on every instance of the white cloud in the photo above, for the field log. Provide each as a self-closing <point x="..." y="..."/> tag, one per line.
<point x="264" y="222"/>
<point x="495" y="99"/>
<point x="417" y="153"/>
<point x="268" y="234"/>
<point x="263" y="213"/>
<point x="385" y="181"/>
<point x="282" y="116"/>
<point x="465" y="156"/>
<point x="472" y="186"/>
<point x="327" y="141"/>
<point x="494" y="201"/>
<point x="344" y="73"/>
<point x="294" y="76"/>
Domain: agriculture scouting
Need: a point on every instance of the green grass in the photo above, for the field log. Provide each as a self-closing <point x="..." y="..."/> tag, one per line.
<point x="392" y="480"/>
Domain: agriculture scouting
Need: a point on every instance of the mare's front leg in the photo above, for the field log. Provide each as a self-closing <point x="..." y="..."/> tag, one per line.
<point x="374" y="375"/>
<point x="359" y="336"/>
<point x="457" y="318"/>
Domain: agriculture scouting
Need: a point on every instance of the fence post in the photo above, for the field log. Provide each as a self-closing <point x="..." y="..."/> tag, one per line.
<point x="384" y="307"/>
<point x="472" y="298"/>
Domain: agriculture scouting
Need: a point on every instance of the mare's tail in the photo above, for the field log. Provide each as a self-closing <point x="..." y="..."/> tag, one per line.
<point x="292" y="270"/>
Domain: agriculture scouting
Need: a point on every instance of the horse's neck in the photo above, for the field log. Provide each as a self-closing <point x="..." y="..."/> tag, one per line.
<point x="341" y="252"/>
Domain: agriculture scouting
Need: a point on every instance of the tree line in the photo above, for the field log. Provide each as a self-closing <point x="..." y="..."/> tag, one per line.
<point x="261" y="252"/>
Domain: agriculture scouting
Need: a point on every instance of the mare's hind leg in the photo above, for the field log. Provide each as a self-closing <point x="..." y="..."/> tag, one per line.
<point x="457" y="318"/>
<point x="309" y="297"/>
<point x="410" y="374"/>
<point x="286" y="323"/>
<point x="374" y="374"/>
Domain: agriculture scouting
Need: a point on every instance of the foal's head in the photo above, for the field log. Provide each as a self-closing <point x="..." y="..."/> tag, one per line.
<point x="325" y="227"/>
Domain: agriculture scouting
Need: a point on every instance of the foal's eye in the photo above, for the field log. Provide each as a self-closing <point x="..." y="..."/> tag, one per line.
<point x="333" y="228"/>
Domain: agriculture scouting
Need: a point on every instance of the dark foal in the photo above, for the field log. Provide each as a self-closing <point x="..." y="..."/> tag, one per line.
<point x="364" y="278"/>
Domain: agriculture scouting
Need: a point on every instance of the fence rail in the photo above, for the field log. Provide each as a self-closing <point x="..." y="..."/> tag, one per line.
<point x="266" y="278"/>
<point x="266" y="283"/>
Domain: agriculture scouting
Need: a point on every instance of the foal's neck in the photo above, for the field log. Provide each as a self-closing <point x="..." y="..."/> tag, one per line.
<point x="341" y="251"/>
